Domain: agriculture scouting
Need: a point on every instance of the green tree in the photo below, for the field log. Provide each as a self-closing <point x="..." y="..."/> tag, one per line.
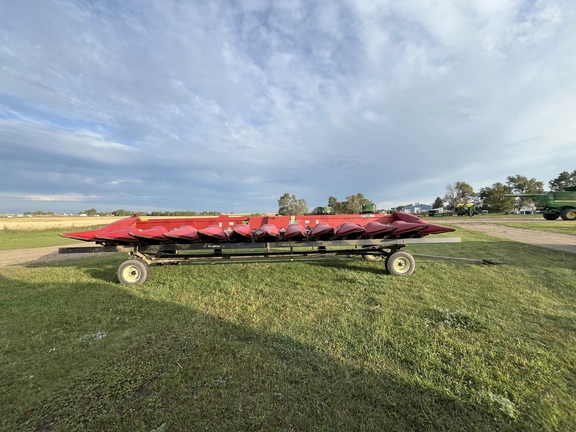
<point x="290" y="205"/>
<point x="491" y="198"/>
<point x="438" y="203"/>
<point x="458" y="193"/>
<point x="520" y="184"/>
<point x="90" y="212"/>
<point x="333" y="203"/>
<point x="565" y="179"/>
<point x="400" y="207"/>
<point x="338" y="207"/>
<point x="41" y="213"/>
<point x="354" y="203"/>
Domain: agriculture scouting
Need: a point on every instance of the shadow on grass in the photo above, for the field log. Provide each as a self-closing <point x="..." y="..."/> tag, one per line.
<point x="105" y="268"/>
<point x="109" y="358"/>
<point x="506" y="252"/>
<point x="525" y="255"/>
<point x="100" y="266"/>
<point x="475" y="245"/>
<point x="355" y="263"/>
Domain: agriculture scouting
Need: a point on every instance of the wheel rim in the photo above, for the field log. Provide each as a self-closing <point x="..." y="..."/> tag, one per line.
<point x="401" y="265"/>
<point x="131" y="273"/>
<point x="571" y="215"/>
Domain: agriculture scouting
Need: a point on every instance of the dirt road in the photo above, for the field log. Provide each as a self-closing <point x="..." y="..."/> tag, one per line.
<point x="563" y="242"/>
<point x="36" y="255"/>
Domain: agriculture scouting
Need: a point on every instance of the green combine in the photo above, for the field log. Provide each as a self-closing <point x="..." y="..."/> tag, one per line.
<point x="553" y="204"/>
<point x="322" y="210"/>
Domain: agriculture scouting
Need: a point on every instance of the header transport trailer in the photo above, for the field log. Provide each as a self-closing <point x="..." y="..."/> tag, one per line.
<point x="232" y="238"/>
<point x="554" y="204"/>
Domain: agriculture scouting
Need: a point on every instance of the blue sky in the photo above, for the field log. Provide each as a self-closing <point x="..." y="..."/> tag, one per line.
<point x="224" y="105"/>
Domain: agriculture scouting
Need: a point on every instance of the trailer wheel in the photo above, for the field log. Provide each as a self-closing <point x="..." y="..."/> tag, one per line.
<point x="400" y="264"/>
<point x="133" y="272"/>
<point x="549" y="216"/>
<point x="568" y="214"/>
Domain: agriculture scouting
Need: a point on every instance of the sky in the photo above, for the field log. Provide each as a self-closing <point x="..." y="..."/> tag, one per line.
<point x="226" y="105"/>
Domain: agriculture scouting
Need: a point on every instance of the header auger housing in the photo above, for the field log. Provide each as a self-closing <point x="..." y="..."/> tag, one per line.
<point x="553" y="204"/>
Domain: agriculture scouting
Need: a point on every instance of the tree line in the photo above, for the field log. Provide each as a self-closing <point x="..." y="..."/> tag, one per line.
<point x="124" y="213"/>
<point x="490" y="197"/>
<point x="290" y="205"/>
<point x="487" y="198"/>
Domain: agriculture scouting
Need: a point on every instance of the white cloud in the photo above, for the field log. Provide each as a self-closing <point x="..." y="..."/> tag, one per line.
<point x="52" y="198"/>
<point x="219" y="100"/>
<point x="32" y="138"/>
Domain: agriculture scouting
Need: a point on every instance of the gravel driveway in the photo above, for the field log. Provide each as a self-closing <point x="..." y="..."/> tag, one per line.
<point x="38" y="255"/>
<point x="562" y="242"/>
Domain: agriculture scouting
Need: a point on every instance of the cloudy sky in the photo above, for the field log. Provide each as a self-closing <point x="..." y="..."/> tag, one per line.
<point x="226" y="105"/>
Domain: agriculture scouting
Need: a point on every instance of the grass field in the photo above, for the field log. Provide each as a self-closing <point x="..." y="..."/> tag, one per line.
<point x="561" y="227"/>
<point x="10" y="239"/>
<point x="39" y="231"/>
<point x="38" y="223"/>
<point x="333" y="345"/>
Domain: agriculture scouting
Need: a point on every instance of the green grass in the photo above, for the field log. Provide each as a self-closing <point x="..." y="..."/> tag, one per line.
<point x="16" y="239"/>
<point x="333" y="345"/>
<point x="561" y="227"/>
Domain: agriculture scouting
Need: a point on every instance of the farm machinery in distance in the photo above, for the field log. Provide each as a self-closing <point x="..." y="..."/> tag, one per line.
<point x="466" y="210"/>
<point x="553" y="205"/>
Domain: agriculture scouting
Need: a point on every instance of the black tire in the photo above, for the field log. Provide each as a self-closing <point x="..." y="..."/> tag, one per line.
<point x="568" y="214"/>
<point x="133" y="272"/>
<point x="550" y="216"/>
<point x="400" y="264"/>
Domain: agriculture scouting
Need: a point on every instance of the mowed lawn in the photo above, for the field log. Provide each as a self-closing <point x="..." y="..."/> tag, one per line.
<point x="334" y="345"/>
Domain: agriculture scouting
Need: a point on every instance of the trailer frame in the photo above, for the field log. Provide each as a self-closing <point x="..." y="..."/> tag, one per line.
<point x="136" y="269"/>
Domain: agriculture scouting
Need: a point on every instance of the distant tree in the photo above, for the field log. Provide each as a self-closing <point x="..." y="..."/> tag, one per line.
<point x="290" y="205"/>
<point x="438" y="203"/>
<point x="333" y="203"/>
<point x="122" y="212"/>
<point x="40" y="213"/>
<point x="400" y="207"/>
<point x="491" y="198"/>
<point x="565" y="179"/>
<point x="520" y="184"/>
<point x="354" y="203"/>
<point x="338" y="207"/>
<point x="90" y="212"/>
<point x="458" y="193"/>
